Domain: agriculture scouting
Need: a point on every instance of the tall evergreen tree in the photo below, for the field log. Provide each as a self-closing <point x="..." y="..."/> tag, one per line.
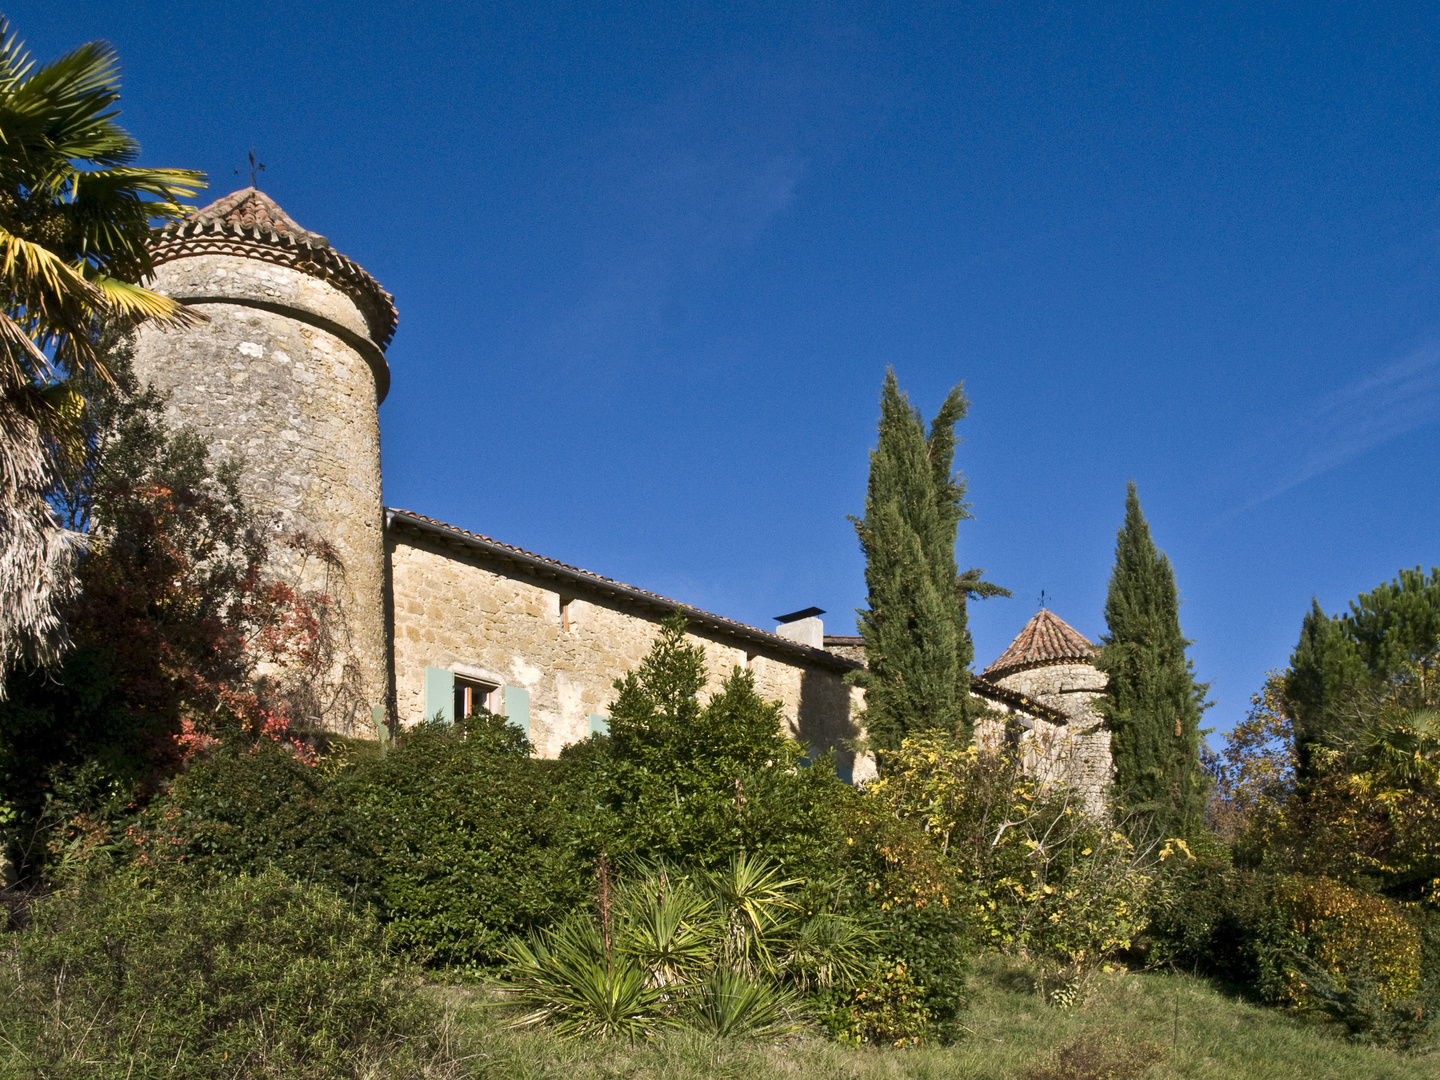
<point x="1385" y="648"/>
<point x="917" y="645"/>
<point x="1326" y="676"/>
<point x="1153" y="702"/>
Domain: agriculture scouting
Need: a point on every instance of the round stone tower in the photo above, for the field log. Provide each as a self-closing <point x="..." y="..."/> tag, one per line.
<point x="288" y="373"/>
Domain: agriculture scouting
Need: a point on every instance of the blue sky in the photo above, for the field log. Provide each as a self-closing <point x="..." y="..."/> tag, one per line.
<point x="651" y="263"/>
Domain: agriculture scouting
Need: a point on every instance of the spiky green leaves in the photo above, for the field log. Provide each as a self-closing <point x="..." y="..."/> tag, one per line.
<point x="725" y="951"/>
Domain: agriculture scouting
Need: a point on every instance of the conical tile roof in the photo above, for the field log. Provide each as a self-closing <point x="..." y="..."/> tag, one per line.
<point x="250" y="210"/>
<point x="1046" y="639"/>
<point x="250" y="224"/>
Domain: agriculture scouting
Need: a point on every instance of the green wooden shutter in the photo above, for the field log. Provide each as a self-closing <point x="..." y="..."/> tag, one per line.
<point x="599" y="725"/>
<point x="517" y="708"/>
<point x="439" y="694"/>
<point x="382" y="727"/>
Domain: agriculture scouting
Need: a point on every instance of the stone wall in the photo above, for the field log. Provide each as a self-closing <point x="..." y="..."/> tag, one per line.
<point x="1076" y="753"/>
<point x="458" y="610"/>
<point x="282" y="376"/>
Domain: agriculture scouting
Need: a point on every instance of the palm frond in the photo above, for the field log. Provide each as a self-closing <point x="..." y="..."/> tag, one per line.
<point x="29" y="268"/>
<point x="137" y="303"/>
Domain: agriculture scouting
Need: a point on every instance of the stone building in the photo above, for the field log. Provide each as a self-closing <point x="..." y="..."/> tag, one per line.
<point x="1045" y="685"/>
<point x="289" y="372"/>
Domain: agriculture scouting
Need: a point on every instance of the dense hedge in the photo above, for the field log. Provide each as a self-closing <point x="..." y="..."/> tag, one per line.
<point x="470" y="842"/>
<point x="454" y="836"/>
<point x="244" y="809"/>
<point x="255" y="976"/>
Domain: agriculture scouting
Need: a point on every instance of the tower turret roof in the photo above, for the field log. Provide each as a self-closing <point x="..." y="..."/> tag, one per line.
<point x="250" y="224"/>
<point x="1045" y="639"/>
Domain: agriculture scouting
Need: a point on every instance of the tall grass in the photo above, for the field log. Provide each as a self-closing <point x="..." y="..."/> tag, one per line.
<point x="1196" y="1031"/>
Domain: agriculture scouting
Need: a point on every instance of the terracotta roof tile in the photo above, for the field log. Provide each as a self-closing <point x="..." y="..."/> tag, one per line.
<point x="250" y="224"/>
<point x="1046" y="639"/>
<point x="250" y="209"/>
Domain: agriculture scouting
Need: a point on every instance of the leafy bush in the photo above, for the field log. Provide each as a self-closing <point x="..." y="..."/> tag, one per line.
<point x="243" y="809"/>
<point x="470" y="846"/>
<point x="697" y="783"/>
<point x="1220" y="921"/>
<point x="1348" y="937"/>
<point x="886" y="1008"/>
<point x="255" y="976"/>
<point x="1426" y="921"/>
<point x="1047" y="879"/>
<point x="1310" y="944"/>
<point x="912" y="894"/>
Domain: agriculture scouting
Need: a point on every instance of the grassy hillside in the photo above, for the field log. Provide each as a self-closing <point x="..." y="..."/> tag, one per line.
<point x="1200" y="1032"/>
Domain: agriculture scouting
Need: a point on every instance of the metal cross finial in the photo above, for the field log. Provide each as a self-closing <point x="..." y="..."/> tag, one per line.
<point x="255" y="167"/>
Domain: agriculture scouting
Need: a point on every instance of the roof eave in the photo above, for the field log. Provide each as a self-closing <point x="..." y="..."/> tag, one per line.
<point x="546" y="568"/>
<point x="983" y="687"/>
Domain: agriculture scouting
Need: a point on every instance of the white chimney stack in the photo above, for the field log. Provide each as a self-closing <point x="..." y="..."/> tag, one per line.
<point x="803" y="627"/>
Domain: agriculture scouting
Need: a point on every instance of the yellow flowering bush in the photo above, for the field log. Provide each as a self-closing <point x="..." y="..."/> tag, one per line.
<point x="1348" y="934"/>
<point x="1043" y="878"/>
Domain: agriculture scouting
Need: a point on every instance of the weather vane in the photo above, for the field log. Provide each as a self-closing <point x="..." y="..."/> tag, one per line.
<point x="1042" y="599"/>
<point x="255" y="167"/>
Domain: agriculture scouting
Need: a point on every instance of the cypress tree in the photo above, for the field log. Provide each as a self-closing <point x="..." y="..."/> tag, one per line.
<point x="917" y="645"/>
<point x="1153" y="702"/>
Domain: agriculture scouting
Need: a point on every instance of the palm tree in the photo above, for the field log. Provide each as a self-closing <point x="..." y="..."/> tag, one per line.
<point x="74" y="220"/>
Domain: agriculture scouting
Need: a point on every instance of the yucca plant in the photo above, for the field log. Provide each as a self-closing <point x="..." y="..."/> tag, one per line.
<point x="827" y="950"/>
<point x="729" y="1003"/>
<point x="723" y="951"/>
<point x="754" y="906"/>
<point x="570" y="980"/>
<point x="668" y="927"/>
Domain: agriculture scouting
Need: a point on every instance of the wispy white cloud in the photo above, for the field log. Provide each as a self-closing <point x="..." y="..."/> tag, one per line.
<point x="1381" y="406"/>
<point x="677" y="188"/>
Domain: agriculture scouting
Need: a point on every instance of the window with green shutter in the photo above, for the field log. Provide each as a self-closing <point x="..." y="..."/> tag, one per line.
<point x="517" y="708"/>
<point x="439" y="695"/>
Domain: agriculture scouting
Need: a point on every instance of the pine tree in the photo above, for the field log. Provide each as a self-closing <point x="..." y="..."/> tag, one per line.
<point x="1153" y="702"/>
<point x="917" y="644"/>
<point x="1386" y="648"/>
<point x="1326" y="676"/>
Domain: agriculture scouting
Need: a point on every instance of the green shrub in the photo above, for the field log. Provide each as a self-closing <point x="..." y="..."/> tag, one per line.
<point x="886" y="1008"/>
<point x="696" y="783"/>
<point x="904" y="887"/>
<point x="470" y="844"/>
<point x="255" y="976"/>
<point x="1310" y="944"/>
<point x="1426" y="921"/>
<point x="1348" y="933"/>
<point x="1212" y="918"/>
<point x="244" y="809"/>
